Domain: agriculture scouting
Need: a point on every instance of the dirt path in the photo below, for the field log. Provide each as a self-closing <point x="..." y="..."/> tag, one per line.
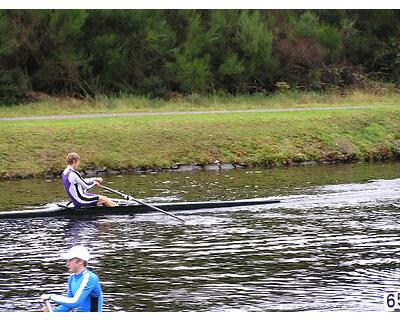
<point x="132" y="114"/>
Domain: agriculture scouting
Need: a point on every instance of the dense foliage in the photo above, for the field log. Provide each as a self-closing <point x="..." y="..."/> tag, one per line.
<point x="167" y="52"/>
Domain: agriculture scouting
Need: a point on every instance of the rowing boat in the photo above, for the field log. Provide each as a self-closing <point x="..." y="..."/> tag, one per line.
<point x="126" y="208"/>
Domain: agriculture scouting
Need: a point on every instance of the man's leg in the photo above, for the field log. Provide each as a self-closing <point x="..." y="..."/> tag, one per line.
<point x="103" y="200"/>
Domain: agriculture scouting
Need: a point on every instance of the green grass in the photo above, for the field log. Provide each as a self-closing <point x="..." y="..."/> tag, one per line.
<point x="57" y="106"/>
<point x="35" y="148"/>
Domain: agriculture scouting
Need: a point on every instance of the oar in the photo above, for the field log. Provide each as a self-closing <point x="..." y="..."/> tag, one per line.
<point x="128" y="197"/>
<point x="48" y="305"/>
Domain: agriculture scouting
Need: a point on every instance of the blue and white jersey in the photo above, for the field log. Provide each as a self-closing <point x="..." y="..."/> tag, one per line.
<point x="84" y="294"/>
<point x="74" y="185"/>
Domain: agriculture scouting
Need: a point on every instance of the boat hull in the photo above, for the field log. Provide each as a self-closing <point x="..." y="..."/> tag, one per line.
<point x="129" y="208"/>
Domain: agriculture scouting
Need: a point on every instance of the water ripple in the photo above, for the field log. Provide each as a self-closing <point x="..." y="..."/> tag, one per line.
<point x="324" y="247"/>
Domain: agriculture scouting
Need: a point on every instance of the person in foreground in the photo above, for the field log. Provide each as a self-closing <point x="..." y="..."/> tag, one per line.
<point x="84" y="291"/>
<point x="76" y="186"/>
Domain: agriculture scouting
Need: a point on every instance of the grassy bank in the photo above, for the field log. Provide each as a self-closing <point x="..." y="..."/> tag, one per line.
<point x="292" y="99"/>
<point x="35" y="148"/>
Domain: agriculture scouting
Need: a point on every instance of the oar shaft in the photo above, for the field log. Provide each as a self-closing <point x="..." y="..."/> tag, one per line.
<point x="128" y="197"/>
<point x="116" y="192"/>
<point x="158" y="209"/>
<point x="48" y="305"/>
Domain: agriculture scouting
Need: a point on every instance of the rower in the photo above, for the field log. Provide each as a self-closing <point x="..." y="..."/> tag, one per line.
<point x="84" y="292"/>
<point x="75" y="186"/>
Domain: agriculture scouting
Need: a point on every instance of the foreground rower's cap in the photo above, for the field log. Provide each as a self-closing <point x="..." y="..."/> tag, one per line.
<point x="77" y="252"/>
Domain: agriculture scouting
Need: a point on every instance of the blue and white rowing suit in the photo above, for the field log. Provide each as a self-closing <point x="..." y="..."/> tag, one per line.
<point x="75" y="187"/>
<point x="84" y="294"/>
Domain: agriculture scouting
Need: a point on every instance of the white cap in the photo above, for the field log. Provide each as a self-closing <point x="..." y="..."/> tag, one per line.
<point x="77" y="252"/>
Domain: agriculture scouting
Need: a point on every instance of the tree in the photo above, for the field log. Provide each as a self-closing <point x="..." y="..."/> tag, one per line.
<point x="152" y="52"/>
<point x="191" y="69"/>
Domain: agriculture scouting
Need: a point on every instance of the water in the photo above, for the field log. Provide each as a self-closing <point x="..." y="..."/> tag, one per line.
<point x="331" y="244"/>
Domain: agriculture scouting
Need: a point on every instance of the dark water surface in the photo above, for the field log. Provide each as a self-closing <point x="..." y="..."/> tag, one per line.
<point x="331" y="244"/>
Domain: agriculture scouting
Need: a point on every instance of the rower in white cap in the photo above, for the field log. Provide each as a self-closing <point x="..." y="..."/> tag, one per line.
<point x="84" y="291"/>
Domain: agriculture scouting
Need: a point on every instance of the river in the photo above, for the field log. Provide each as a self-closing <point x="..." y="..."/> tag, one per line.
<point x="332" y="243"/>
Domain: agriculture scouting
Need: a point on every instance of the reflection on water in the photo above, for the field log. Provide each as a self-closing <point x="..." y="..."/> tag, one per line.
<point x="331" y="244"/>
